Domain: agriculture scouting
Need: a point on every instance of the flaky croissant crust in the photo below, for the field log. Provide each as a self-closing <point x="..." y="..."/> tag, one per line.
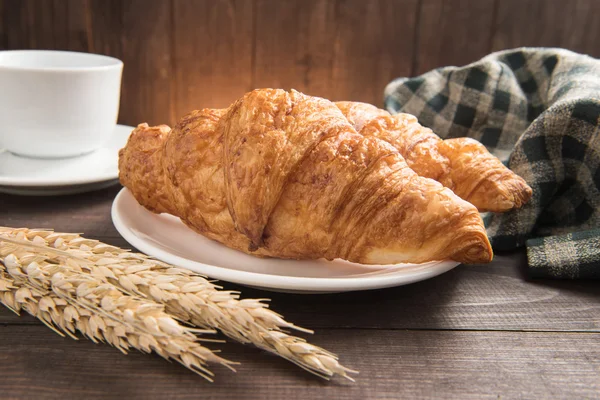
<point x="461" y="164"/>
<point x="283" y="174"/>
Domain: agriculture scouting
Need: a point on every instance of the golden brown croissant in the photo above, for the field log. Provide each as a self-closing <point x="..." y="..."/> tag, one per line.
<point x="461" y="164"/>
<point x="283" y="174"/>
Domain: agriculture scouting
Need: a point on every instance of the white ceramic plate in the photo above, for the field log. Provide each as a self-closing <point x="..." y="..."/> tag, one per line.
<point x="168" y="239"/>
<point x="38" y="174"/>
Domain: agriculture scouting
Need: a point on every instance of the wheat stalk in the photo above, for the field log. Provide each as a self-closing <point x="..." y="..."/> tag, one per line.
<point x="65" y="299"/>
<point x="186" y="295"/>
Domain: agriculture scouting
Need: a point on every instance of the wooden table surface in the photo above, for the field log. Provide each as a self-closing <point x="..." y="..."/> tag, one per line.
<point x="474" y="332"/>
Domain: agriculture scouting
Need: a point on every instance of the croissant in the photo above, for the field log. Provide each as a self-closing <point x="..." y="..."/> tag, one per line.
<point x="461" y="164"/>
<point x="282" y="174"/>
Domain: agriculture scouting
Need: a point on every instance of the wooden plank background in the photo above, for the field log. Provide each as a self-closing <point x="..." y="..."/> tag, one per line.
<point x="181" y="55"/>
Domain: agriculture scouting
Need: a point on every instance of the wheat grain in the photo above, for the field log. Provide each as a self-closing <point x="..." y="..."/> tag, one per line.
<point x="186" y="295"/>
<point x="66" y="300"/>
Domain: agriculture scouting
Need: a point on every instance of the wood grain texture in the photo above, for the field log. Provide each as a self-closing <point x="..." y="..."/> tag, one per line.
<point x="334" y="49"/>
<point x="104" y="26"/>
<point x="452" y="32"/>
<point x="393" y="364"/>
<point x="29" y="27"/>
<point x="374" y="43"/>
<point x="294" y="45"/>
<point x="483" y="297"/>
<point x="3" y="25"/>
<point x="182" y="55"/>
<point x="87" y="213"/>
<point x="49" y="24"/>
<point x="146" y="53"/>
<point x="549" y="23"/>
<point x="212" y="44"/>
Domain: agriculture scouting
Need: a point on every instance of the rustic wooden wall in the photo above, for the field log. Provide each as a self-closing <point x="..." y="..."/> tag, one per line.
<point x="185" y="54"/>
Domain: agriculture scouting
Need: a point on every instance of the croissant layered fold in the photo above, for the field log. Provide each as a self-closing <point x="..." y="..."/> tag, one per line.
<point x="282" y="174"/>
<point x="461" y="164"/>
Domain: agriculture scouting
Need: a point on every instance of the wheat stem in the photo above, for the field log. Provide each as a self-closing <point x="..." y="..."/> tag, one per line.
<point x="66" y="299"/>
<point x="186" y="295"/>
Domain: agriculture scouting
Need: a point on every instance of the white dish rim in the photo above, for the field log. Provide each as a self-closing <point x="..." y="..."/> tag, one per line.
<point x="274" y="282"/>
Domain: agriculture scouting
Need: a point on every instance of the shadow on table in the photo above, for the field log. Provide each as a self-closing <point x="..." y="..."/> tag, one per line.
<point x="66" y="201"/>
<point x="586" y="287"/>
<point x="474" y="297"/>
<point x="411" y="306"/>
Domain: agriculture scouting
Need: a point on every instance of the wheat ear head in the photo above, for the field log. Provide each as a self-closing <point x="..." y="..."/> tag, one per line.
<point x="55" y="289"/>
<point x="188" y="296"/>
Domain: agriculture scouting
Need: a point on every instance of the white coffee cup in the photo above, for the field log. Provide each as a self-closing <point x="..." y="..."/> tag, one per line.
<point x="56" y="104"/>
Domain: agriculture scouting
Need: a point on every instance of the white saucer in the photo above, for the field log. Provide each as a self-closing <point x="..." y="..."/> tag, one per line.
<point x="34" y="176"/>
<point x="168" y="239"/>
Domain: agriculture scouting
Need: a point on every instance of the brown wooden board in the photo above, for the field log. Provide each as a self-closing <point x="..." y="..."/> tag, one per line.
<point x="548" y="23"/>
<point x="374" y="43"/>
<point x="452" y="32"/>
<point x="294" y="45"/>
<point x="393" y="364"/>
<point x="146" y="53"/>
<point x="344" y="50"/>
<point x="212" y="43"/>
<point x="50" y="24"/>
<point x="182" y="55"/>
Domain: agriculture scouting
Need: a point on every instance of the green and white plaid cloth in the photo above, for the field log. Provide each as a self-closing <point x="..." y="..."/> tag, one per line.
<point x="537" y="109"/>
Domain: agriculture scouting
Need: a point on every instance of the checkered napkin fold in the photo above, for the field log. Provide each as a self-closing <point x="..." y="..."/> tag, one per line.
<point x="537" y="110"/>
